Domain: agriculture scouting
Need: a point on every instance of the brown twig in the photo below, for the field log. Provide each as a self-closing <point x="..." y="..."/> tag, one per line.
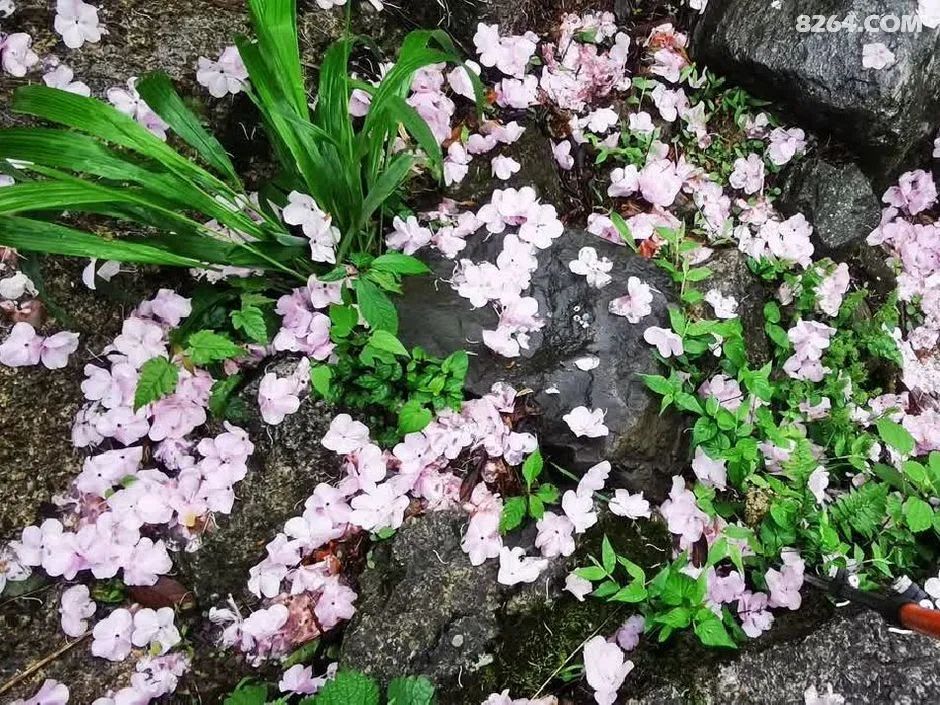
<point x="41" y="663"/>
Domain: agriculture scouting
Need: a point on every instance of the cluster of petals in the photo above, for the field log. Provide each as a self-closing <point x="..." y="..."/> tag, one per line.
<point x="128" y="101"/>
<point x="77" y="22"/>
<point x="16" y="54"/>
<point x="809" y="339"/>
<point x="224" y="76"/>
<point x="24" y="347"/>
<point x="316" y="225"/>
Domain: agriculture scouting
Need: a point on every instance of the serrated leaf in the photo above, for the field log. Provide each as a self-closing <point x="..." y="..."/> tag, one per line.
<point x="632" y="593"/>
<point x="158" y="378"/>
<point x="348" y="688"/>
<point x="207" y="346"/>
<point x="376" y="307"/>
<point x="342" y="321"/>
<point x="221" y="393"/>
<point x="710" y="630"/>
<point x="548" y="493"/>
<point x="896" y="436"/>
<point x="532" y="467"/>
<point x="536" y="507"/>
<point x="413" y="690"/>
<point x="250" y="320"/>
<point x="514" y="511"/>
<point x="918" y="515"/>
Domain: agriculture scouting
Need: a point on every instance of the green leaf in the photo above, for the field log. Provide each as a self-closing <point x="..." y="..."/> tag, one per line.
<point x="207" y="346"/>
<point x="548" y="493"/>
<point x="376" y="307"/>
<point x="592" y="573"/>
<point x="918" y="514"/>
<point x="413" y="690"/>
<point x="387" y="342"/>
<point x="348" y="688"/>
<point x="608" y="555"/>
<point x="896" y="436"/>
<point x="157" y="90"/>
<point x="248" y="693"/>
<point x="536" y="507"/>
<point x="413" y="417"/>
<point x="321" y="377"/>
<point x="632" y="593"/>
<point x="250" y="320"/>
<point x="221" y="392"/>
<point x="397" y="263"/>
<point x="532" y="468"/>
<point x="343" y="319"/>
<point x="514" y="511"/>
<point x="158" y="378"/>
<point x="710" y="630"/>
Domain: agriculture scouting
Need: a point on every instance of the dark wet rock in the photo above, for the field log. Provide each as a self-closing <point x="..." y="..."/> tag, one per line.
<point x="288" y="463"/>
<point x="641" y="442"/>
<point x="855" y="653"/>
<point x="885" y="117"/>
<point x="732" y="277"/>
<point x="836" y="198"/>
<point x="424" y="609"/>
<point x="31" y="633"/>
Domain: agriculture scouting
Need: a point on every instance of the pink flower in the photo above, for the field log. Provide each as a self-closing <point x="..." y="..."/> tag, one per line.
<point x="682" y="514"/>
<point x="515" y="567"/>
<point x="456" y="164"/>
<point x="482" y="540"/>
<point x="76" y="607"/>
<point x="636" y="304"/>
<point x="712" y="473"/>
<point x="666" y="342"/>
<point x="555" y="535"/>
<point x="504" y="167"/>
<point x="784" y="584"/>
<point x="517" y="93"/>
<point x="817" y="483"/>
<point x="832" y="289"/>
<point x="345" y="435"/>
<point x="140" y="340"/>
<point x="624" y="181"/>
<point x="77" y="23"/>
<point x="61" y="77"/>
<point x="605" y="669"/>
<point x="278" y="397"/>
<point x="586" y="422"/>
<point x="335" y="603"/>
<point x="755" y="617"/>
<point x="594" y="269"/>
<point x="785" y="144"/>
<point x="129" y="102"/>
<point x="147" y="562"/>
<point x="265" y="623"/>
<point x="22" y="348"/>
<point x="594" y="479"/>
<point x="407" y="235"/>
<point x="578" y="586"/>
<point x="562" y="155"/>
<point x="579" y="508"/>
<point x="123" y="424"/>
<point x="641" y="123"/>
<point x="601" y="120"/>
<point x="16" y="56"/>
<point x="509" y="54"/>
<point x="57" y="348"/>
<point x="628" y="636"/>
<point x="632" y="506"/>
<point x="915" y="192"/>
<point x="748" y="174"/>
<point x="659" y="182"/>
<point x="299" y="679"/>
<point x="112" y="636"/>
<point x="727" y="589"/>
<point x="155" y="629"/>
<point x="790" y="240"/>
<point x="226" y="75"/>
<point x="876" y="56"/>
<point x="380" y="507"/>
<point x="459" y="79"/>
<point x="726" y="391"/>
<point x="51" y="692"/>
<point x="167" y="306"/>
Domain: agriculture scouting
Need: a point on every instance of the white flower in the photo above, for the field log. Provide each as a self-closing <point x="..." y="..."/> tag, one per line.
<point x="586" y="422"/>
<point x="225" y="75"/>
<point x="77" y="23"/>
<point x="877" y="56"/>
<point x="504" y="167"/>
<point x="515" y="567"/>
<point x="61" y="77"/>
<point x="724" y="306"/>
<point x="591" y="267"/>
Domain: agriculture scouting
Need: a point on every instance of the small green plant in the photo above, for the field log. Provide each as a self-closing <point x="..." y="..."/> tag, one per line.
<point x="535" y="495"/>
<point x="346" y="688"/>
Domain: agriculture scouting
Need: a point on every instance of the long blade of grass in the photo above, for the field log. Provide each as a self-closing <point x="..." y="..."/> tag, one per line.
<point x="157" y="90"/>
<point x="275" y="25"/>
<point x="391" y="178"/>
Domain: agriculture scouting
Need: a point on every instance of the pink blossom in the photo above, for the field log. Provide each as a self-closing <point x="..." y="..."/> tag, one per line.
<point x="636" y="304"/>
<point x="579" y="508"/>
<point x="726" y="589"/>
<point x="562" y="155"/>
<point x="155" y="629"/>
<point x="668" y="64"/>
<point x="380" y="507"/>
<point x="76" y="607"/>
<point x="784" y="584"/>
<point x="345" y="435"/>
<point x="666" y="342"/>
<point x="586" y="422"/>
<point x="624" y="181"/>
<point x="140" y="340"/>
<point x="504" y="167"/>
<point x="51" y="692"/>
<point x="876" y="56"/>
<point x="659" y="182"/>
<point x="509" y="54"/>
<point x="605" y="669"/>
<point x="112" y="636"/>
<point x="482" y="540"/>
<point x="554" y="535"/>
<point x="790" y="240"/>
<point x="810" y="338"/>
<point x="130" y="103"/>
<point x="817" y="483"/>
<point x="594" y="479"/>
<point x="22" y="348"/>
<point x="16" y="56"/>
<point x="755" y="617"/>
<point x="517" y="93"/>
<point x="712" y="473"/>
<point x="832" y="288"/>
<point x="317" y="225"/>
<point x="226" y="75"/>
<point x="682" y="514"/>
<point x="725" y="390"/>
<point x="61" y="77"/>
<point x="632" y="506"/>
<point x="335" y="603"/>
<point x="515" y="567"/>
<point x="459" y="79"/>
<point x="147" y="562"/>
<point x="299" y="679"/>
<point x="748" y="174"/>
<point x="641" y="123"/>
<point x="669" y="103"/>
<point x="724" y="306"/>
<point x="456" y="164"/>
<point x="915" y="192"/>
<point x="123" y="424"/>
<point x="785" y="144"/>
<point x="407" y="235"/>
<point x="504" y="134"/>
<point x="594" y="269"/>
<point x="628" y="636"/>
<point x="77" y="22"/>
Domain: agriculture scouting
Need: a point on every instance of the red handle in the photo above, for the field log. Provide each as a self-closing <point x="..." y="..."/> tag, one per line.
<point x="920" y="619"/>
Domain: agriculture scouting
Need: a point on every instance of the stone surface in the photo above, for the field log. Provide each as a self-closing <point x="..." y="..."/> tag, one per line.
<point x="641" y="443"/>
<point x="836" y="198"/>
<point x="885" y="117"/>
<point x="855" y="653"/>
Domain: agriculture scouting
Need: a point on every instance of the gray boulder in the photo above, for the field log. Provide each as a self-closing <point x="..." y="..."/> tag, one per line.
<point x="641" y="442"/>
<point x="836" y="198"/>
<point x="885" y="117"/>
